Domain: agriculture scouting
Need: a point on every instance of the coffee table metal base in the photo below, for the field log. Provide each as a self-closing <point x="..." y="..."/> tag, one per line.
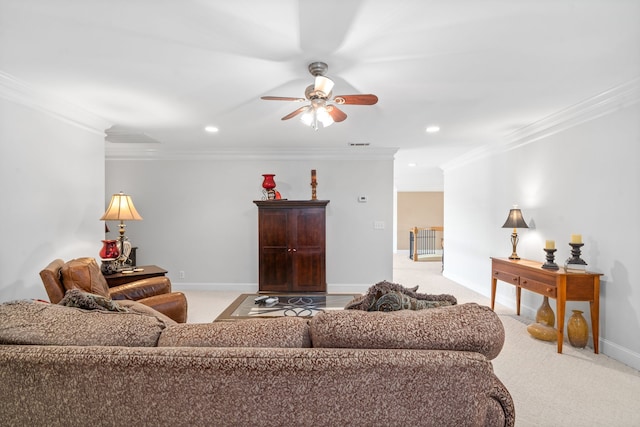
<point x="294" y="305"/>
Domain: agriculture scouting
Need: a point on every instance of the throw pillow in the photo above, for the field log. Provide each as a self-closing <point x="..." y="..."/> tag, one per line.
<point x="33" y="323"/>
<point x="77" y="298"/>
<point x="277" y="332"/>
<point x="84" y="274"/>
<point x="464" y="327"/>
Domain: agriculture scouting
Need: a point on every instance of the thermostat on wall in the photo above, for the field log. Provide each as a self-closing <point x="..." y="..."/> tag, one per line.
<point x="362" y="199"/>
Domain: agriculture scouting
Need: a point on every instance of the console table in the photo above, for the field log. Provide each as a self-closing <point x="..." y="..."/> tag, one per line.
<point x="557" y="284"/>
<point x="145" y="272"/>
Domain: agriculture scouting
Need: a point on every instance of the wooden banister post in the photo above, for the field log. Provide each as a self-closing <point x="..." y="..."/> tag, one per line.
<point x="414" y="230"/>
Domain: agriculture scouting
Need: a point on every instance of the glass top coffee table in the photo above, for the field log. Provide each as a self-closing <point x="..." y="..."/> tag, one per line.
<point x="294" y="305"/>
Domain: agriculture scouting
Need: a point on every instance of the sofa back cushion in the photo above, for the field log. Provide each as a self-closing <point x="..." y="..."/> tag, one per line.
<point x="84" y="274"/>
<point x="28" y="322"/>
<point x="276" y="332"/>
<point x="464" y="327"/>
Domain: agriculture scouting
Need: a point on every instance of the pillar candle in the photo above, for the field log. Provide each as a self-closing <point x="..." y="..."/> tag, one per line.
<point x="576" y="238"/>
<point x="550" y="244"/>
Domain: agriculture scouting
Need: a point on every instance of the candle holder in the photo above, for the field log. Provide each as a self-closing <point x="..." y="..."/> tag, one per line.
<point x="575" y="254"/>
<point x="550" y="264"/>
<point x="575" y="263"/>
<point x="269" y="186"/>
<point x="314" y="184"/>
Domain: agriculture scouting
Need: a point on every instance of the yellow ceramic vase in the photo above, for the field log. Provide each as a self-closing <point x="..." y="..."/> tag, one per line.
<point x="545" y="314"/>
<point x="578" y="330"/>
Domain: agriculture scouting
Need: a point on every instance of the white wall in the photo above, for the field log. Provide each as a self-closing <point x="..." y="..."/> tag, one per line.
<point x="577" y="177"/>
<point x="199" y="215"/>
<point x="52" y="185"/>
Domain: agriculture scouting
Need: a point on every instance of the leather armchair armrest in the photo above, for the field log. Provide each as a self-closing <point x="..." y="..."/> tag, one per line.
<point x="173" y="305"/>
<point x="141" y="289"/>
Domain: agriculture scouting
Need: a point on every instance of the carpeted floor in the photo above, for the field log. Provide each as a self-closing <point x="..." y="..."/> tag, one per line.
<point x="576" y="388"/>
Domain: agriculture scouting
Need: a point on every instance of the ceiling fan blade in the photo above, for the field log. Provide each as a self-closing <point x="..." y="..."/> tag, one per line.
<point x="336" y="114"/>
<point x="295" y="113"/>
<point x="281" y="98"/>
<point x="360" y="99"/>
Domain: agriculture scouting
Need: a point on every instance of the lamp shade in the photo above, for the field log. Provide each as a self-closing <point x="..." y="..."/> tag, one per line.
<point x="515" y="220"/>
<point x="121" y="209"/>
<point x="323" y="84"/>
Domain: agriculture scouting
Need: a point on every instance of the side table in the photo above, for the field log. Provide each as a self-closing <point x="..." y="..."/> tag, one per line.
<point x="145" y="272"/>
<point x="558" y="284"/>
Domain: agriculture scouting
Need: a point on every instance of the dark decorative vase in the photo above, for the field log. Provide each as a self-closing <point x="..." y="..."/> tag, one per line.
<point x="578" y="330"/>
<point x="545" y="314"/>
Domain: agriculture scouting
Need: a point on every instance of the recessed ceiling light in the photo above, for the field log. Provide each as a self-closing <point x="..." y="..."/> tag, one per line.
<point x="412" y="165"/>
<point x="211" y="129"/>
<point x="433" y="129"/>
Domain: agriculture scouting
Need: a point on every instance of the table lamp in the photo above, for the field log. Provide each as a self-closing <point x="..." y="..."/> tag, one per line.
<point x="515" y="221"/>
<point x="121" y="209"/>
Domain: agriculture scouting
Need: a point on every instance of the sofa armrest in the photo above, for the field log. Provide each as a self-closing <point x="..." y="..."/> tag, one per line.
<point x="141" y="289"/>
<point x="504" y="412"/>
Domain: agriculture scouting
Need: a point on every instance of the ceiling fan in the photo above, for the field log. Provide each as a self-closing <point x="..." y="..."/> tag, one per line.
<point x="319" y="113"/>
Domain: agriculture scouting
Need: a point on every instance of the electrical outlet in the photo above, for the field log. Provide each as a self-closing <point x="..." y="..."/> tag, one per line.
<point x="181" y="274"/>
<point x="378" y="225"/>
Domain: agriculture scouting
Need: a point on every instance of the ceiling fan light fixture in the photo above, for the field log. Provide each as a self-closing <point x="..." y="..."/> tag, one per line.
<point x="320" y="114"/>
<point x="316" y="115"/>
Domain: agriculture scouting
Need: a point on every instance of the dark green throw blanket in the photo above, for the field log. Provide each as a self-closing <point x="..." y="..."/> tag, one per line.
<point x="387" y="296"/>
<point x="87" y="301"/>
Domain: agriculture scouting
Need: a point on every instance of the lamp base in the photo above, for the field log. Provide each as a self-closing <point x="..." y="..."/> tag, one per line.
<point x="514" y="244"/>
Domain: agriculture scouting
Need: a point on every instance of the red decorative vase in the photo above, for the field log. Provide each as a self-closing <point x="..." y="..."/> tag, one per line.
<point x="268" y="183"/>
<point x="109" y="249"/>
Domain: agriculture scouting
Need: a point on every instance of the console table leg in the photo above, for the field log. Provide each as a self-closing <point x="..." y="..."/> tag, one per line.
<point x="560" y="310"/>
<point x="594" y="325"/>
<point x="494" y="283"/>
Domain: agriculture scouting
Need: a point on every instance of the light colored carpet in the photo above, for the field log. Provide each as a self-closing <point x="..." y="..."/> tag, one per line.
<point x="576" y="388"/>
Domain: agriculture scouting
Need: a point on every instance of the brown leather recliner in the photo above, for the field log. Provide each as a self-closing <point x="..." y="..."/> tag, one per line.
<point x="84" y="274"/>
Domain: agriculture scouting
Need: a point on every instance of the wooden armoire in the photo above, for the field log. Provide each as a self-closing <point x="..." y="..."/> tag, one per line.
<point x="291" y="245"/>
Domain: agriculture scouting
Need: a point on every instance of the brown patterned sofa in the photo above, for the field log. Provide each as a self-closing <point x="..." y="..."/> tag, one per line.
<point x="65" y="366"/>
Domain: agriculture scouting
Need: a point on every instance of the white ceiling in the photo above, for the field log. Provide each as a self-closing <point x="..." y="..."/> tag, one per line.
<point x="163" y="70"/>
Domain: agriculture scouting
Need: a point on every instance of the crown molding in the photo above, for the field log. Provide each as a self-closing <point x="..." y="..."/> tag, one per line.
<point x="15" y="90"/>
<point x="251" y="153"/>
<point x="602" y="104"/>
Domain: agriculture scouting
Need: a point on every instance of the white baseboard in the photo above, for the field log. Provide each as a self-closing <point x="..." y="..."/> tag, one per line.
<point x="227" y="287"/>
<point x="253" y="287"/>
<point x="621" y="354"/>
